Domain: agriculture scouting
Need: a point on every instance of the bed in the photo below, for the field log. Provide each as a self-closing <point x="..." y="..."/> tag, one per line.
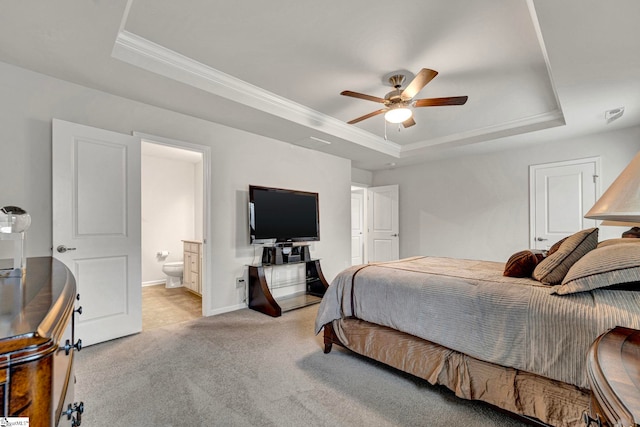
<point x="518" y="343"/>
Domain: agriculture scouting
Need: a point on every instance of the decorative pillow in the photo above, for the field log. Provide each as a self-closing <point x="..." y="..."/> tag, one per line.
<point x="521" y="264"/>
<point x="554" y="267"/>
<point x="602" y="267"/>
<point x="618" y="241"/>
<point x="554" y="248"/>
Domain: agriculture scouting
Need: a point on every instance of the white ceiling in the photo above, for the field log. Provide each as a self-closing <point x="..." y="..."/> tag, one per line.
<point x="534" y="70"/>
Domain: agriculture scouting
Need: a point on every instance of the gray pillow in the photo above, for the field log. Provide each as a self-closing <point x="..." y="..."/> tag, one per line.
<point x="602" y="267"/>
<point x="553" y="268"/>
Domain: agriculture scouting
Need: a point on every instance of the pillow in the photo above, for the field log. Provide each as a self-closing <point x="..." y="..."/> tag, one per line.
<point x="521" y="264"/>
<point x="554" y="248"/>
<point x="554" y="267"/>
<point x="607" y="266"/>
<point x="618" y="241"/>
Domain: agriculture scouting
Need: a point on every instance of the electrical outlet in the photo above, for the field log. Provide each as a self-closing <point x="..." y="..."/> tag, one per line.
<point x="239" y="282"/>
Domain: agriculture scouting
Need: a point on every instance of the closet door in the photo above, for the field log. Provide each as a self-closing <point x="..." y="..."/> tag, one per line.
<point x="561" y="194"/>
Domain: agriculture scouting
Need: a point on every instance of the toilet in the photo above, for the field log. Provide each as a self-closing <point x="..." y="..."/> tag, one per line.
<point x="173" y="270"/>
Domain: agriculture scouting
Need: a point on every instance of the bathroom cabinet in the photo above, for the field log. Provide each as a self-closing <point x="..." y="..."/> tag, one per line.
<point x="37" y="344"/>
<point x="192" y="274"/>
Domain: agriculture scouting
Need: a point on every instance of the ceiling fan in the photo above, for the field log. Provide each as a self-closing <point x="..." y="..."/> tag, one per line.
<point x="398" y="102"/>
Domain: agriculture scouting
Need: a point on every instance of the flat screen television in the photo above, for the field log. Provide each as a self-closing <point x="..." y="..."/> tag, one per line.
<point x="279" y="215"/>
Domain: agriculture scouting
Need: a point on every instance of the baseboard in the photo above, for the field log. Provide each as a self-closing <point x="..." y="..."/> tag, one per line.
<point x="226" y="309"/>
<point x="154" y="283"/>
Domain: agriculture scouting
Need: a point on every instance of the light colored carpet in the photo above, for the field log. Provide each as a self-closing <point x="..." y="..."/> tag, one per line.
<point x="247" y="369"/>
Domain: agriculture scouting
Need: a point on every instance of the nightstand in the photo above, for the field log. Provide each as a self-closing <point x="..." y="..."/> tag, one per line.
<point x="613" y="369"/>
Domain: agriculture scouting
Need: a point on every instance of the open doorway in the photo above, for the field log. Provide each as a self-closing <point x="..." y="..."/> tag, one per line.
<point x="375" y="224"/>
<point x="358" y="225"/>
<point x="172" y="221"/>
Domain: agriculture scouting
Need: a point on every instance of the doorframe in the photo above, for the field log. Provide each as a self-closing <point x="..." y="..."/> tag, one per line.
<point x="532" y="184"/>
<point x="207" y="262"/>
<point x="365" y="221"/>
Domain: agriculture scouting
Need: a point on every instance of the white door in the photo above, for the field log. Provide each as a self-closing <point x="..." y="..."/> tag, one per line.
<point x="96" y="217"/>
<point x="561" y="194"/>
<point x="357" y="227"/>
<point x="383" y="241"/>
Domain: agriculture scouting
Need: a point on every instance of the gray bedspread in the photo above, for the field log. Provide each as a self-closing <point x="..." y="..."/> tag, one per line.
<point x="470" y="307"/>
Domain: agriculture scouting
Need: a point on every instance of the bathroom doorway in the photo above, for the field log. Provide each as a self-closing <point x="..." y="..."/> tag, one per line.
<point x="173" y="211"/>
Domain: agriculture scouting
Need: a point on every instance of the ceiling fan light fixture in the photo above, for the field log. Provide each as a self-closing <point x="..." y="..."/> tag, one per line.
<point x="398" y="114"/>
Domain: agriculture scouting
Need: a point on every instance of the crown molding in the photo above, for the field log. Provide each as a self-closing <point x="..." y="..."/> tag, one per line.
<point x="527" y="124"/>
<point x="155" y="58"/>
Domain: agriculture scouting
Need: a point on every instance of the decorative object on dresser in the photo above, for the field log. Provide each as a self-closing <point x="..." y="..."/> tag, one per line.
<point x="37" y="344"/>
<point x="14" y="221"/>
<point x="613" y="369"/>
<point x="192" y="274"/>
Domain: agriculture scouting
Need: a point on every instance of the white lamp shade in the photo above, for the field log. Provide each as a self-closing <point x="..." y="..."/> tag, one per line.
<point x="397" y="115"/>
<point x="621" y="201"/>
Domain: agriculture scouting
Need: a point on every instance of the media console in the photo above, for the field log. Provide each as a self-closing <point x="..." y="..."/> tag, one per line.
<point x="285" y="254"/>
<point x="262" y="299"/>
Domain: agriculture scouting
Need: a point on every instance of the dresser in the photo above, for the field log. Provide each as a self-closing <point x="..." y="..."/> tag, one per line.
<point x="37" y="344"/>
<point x="192" y="273"/>
<point x="613" y="370"/>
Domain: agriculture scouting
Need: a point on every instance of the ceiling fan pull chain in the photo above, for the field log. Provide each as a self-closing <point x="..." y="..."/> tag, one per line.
<point x="385" y="130"/>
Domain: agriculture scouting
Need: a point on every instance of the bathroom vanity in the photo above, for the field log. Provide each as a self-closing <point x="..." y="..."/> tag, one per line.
<point x="192" y="274"/>
<point x="37" y="344"/>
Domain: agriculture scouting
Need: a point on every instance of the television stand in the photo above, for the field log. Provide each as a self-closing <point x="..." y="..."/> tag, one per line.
<point x="261" y="298"/>
<point x="285" y="254"/>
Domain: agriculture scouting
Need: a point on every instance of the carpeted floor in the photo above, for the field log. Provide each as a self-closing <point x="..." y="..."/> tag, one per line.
<point x="247" y="369"/>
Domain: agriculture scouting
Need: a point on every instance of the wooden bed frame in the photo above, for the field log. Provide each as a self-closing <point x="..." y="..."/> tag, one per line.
<point x="536" y="400"/>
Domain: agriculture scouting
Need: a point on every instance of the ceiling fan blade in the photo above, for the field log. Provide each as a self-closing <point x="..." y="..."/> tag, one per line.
<point x="366" y="116"/>
<point x="362" y="96"/>
<point x="421" y="79"/>
<point x="409" y="122"/>
<point x="437" y="102"/>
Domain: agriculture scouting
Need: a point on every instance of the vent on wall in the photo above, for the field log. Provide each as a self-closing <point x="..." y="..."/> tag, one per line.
<point x="613" y="114"/>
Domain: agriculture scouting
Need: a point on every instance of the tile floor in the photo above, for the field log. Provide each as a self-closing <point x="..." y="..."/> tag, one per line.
<point x="162" y="306"/>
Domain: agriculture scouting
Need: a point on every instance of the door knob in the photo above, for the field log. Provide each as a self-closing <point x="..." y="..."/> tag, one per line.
<point x="394" y="235"/>
<point x="540" y="239"/>
<point x="62" y="249"/>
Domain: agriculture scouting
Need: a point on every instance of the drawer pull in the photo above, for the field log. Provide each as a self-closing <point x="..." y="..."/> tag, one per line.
<point x="588" y="421"/>
<point x="68" y="346"/>
<point x="79" y="409"/>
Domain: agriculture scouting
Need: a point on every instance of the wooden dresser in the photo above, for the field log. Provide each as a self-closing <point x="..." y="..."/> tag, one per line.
<point x="37" y="319"/>
<point x="613" y="369"/>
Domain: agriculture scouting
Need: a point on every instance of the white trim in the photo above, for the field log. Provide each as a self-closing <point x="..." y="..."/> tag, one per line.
<point x="532" y="187"/>
<point x="207" y="267"/>
<point x="543" y="49"/>
<point x="514" y="127"/>
<point x="154" y="283"/>
<point x="150" y="56"/>
<point x="227" y="309"/>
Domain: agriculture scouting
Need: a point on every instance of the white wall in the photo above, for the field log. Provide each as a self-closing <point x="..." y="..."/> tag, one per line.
<point x="168" y="212"/>
<point x="29" y="101"/>
<point x="361" y="176"/>
<point x="477" y="207"/>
